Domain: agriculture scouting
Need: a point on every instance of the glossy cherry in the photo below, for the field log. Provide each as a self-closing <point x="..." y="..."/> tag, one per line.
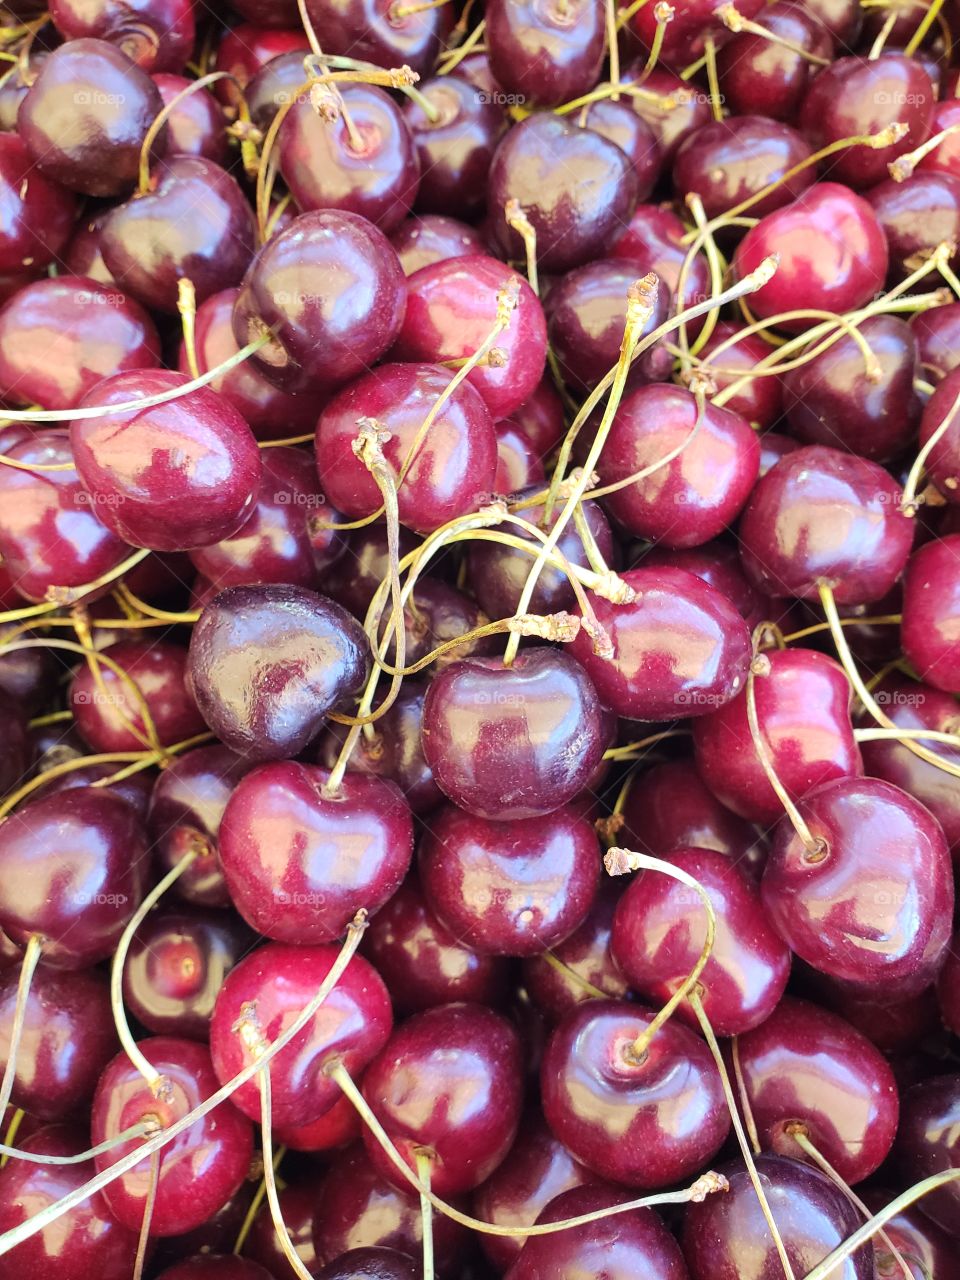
<point x="156" y="34"/>
<point x="931" y="603"/>
<point x="718" y="563"/>
<point x="652" y="240"/>
<point x="927" y="1143"/>
<point x="247" y="48"/>
<point x="671" y="107"/>
<point x="620" y="124"/>
<point x="38" y="214"/>
<point x="370" y="1264"/>
<point x="297" y="1205"/>
<point x="545" y="54"/>
<point x="421" y="241"/>
<point x="732" y="160"/>
<point x="937" y="332"/>
<point x="215" y="1266"/>
<point x="336" y="1128"/>
<point x="916" y="216"/>
<point x="759" y="400"/>
<point x="196" y="125"/>
<point x="929" y="1248"/>
<point x="518" y="464"/>
<point x="456" y="148"/>
<point x="373" y="31"/>
<point x="758" y="75"/>
<point x="943" y="461"/>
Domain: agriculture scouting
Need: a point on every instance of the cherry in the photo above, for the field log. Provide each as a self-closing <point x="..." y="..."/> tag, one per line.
<point x="109" y="716"/>
<point x="943" y="461"/>
<point x="38" y="215"/>
<point x="519" y="466"/>
<point x="927" y="1143"/>
<point x="297" y="1208"/>
<point x="193" y="221"/>
<point x="376" y="176"/>
<point x="212" y="1266"/>
<point x="15" y="749"/>
<point x="89" y="1241"/>
<point x="353" y="579"/>
<point x="928" y="1249"/>
<point x="276" y="982"/>
<point x="937" y="333"/>
<point x="176" y="966"/>
<point x="454" y="466"/>
<point x="456" y="148"/>
<point x="175" y="476"/>
<point x="588" y="965"/>
<point x="931" y="603"/>
<point x="157" y="34"/>
<point x="652" y="240"/>
<point x="803" y="711"/>
<point x="199" y="1170"/>
<point x="195" y="126"/>
<point x="944" y="157"/>
<point x="86" y="116"/>
<point x="358" y="1209"/>
<point x="673" y="109"/>
<point x="833" y="254"/>
<point x="16" y="84"/>
<point x="821" y="516"/>
<point x="760" y="400"/>
<point x="916" y="216"/>
<point x="841" y="19"/>
<point x="513" y="742"/>
<point x="370" y="1264"/>
<point x="948" y="988"/>
<point x="451" y="309"/>
<point x="344" y="313"/>
<point x="246" y="49"/>
<point x="621" y="125"/>
<point x="729" y="161"/>
<point x="299" y="862"/>
<point x="806" y="1067"/>
<point x="646" y="1122"/>
<point x="71" y="865"/>
<point x="448" y="1081"/>
<point x="545" y="54"/>
<point x="686" y="34"/>
<point x="422" y="241"/>
<point x="271" y="84"/>
<point x="337" y="1127"/>
<point x="680" y="649"/>
<point x="576" y="189"/>
<point x="770" y="79"/>
<point x="540" y="417"/>
<point x="82" y="256"/>
<point x="825" y="900"/>
<point x="376" y="31"/>
<point x="719" y="564"/>
<point x="727" y="1237"/>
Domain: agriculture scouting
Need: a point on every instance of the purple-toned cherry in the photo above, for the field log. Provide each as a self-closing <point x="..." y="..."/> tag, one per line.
<point x="199" y="1170"/>
<point x="215" y="1266"/>
<point x="300" y="862"/>
<point x="652" y="240"/>
<point x="422" y="241"/>
<point x="719" y="564"/>
<point x="247" y="48"/>
<point x="928" y="1142"/>
<point x="86" y="116"/>
<point x="760" y="400"/>
<point x="379" y="31"/>
<point x="916" y="216"/>
<point x="686" y="34"/>
<point x="928" y="1250"/>
<point x="38" y="215"/>
<point x="673" y="109"/>
<point x="942" y="463"/>
<point x="730" y="161"/>
<point x="456" y="148"/>
<point x="370" y="1264"/>
<point x="621" y="125"/>
<point x="196" y="125"/>
<point x="344" y="312"/>
<point x="645" y="1121"/>
<point x="82" y="256"/>
<point x="513" y="742"/>
<point x="937" y="333"/>
<point x="770" y="78"/>
<point x="353" y="579"/>
<point x="156" y="34"/>
<point x="546" y="54"/>
<point x="298" y="1202"/>
<point x="931" y="606"/>
<point x="271" y="987"/>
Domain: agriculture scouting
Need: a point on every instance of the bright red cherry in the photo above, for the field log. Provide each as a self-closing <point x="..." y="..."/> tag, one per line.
<point x="38" y="214"/>
<point x="931" y="609"/>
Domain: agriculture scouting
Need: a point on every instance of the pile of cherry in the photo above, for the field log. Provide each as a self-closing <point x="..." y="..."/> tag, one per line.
<point x="479" y="640"/>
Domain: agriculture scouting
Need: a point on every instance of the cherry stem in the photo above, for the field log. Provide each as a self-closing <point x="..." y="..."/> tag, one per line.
<point x="902" y="168"/>
<point x="883" y="619"/>
<point x="667" y="458"/>
<point x="308" y="28"/>
<point x="908" y="503"/>
<point x="734" y="21"/>
<point x="456" y="56"/>
<point x="419" y="6"/>
<point x="613" y="47"/>
<point x="31" y="958"/>
<point x="141" y="606"/>
<point x="571" y="975"/>
<point x="32" y="1157"/>
<point x="163" y="115"/>
<point x="877" y="47"/>
<point x="269" y="1177"/>
<point x="713" y="81"/>
<point x="632" y="750"/>
<point x="716" y="265"/>
<point x="256" y="1202"/>
<point x="664" y="15"/>
<point x="187" y="306"/>
<point x="625" y="15"/>
<point x="148" y="1208"/>
<point x="423" y="1164"/>
<point x="745" y="1106"/>
<point x="631" y="89"/>
<point x="518" y="220"/>
<point x="7" y="1148"/>
<point x="915" y="41"/>
<point x="618" y="861"/>
<point x="708" y="1033"/>
<point x="148" y="735"/>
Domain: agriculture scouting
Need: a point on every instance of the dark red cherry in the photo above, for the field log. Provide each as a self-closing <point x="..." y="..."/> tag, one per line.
<point x="172" y="477"/>
<point x="942" y="464"/>
<point x="38" y="215"/>
<point x="157" y="34"/>
<point x="109" y="716"/>
<point x="645" y="1123"/>
<point x="271" y="83"/>
<point x="803" y="710"/>
<point x="67" y="1039"/>
<point x="719" y="564"/>
<point x="728" y="161"/>
<point x="727" y="1237"/>
<point x="931" y="604"/>
<point x="928" y="1250"/>
<point x="71" y="868"/>
<point x="545" y="54"/>
<point x="686" y="33"/>
<point x="448" y="1081"/>
<point x="268" y="662"/>
<point x="82" y="256"/>
<point x="833" y="254"/>
<point x="246" y="49"/>
<point x="760" y="400"/>
<point x="860" y="96"/>
<point x="86" y="116"/>
<point x="671" y="107"/>
<point x="298" y="1202"/>
<point x="588" y="965"/>
<point x="352" y="1025"/>
<point x="519" y="466"/>
<point x="576" y="188"/>
<point x="513" y="742"/>
<point x="422" y="241"/>
<point x="510" y="888"/>
<point x="679" y="649"/>
<point x="454" y="467"/>
<point x="621" y="125"/>
<point x="659" y="931"/>
<point x="456" y="148"/>
<point x="370" y="1264"/>
<point x="944" y="157"/>
<point x="841" y="19"/>
<point x="337" y="1127"/>
<point x="353" y="579"/>
<point x="807" y="1067"/>
<point x="948" y="988"/>
<point x="375" y="31"/>
<point x="59" y="337"/>
<point x="652" y="240"/>
<point x="451" y="309"/>
<point x="176" y="967"/>
<point x="299" y="863"/>
<point x="540" y="417"/>
<point x="16" y="752"/>
<point x="215" y="1266"/>
<point x="916" y="216"/>
<point x="356" y="1208"/>
<point x="87" y="1242"/>
<point x="871" y="904"/>
<point x="758" y="75"/>
<point x="343" y="313"/>
<point x="199" y="1170"/>
<point x="196" y="125"/>
<point x="928" y="1142"/>
<point x="937" y="333"/>
<point x="377" y="176"/>
<point x="824" y="516"/>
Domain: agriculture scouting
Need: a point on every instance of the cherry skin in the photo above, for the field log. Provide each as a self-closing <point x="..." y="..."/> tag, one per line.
<point x="943" y="462"/>
<point x="86" y="116"/>
<point x="823" y="516"/>
<point x="156" y="34"/>
<point x="833" y="254"/>
<point x="931" y="604"/>
<point x="454" y="468"/>
<point x="337" y="1127"/>
<point x="372" y="31"/>
<point x="513" y="742"/>
<point x="519" y="466"/>
<point x="803" y="710"/>
<point x="176" y="966"/>
<point x="929" y="1249"/>
<point x="728" y="161"/>
<point x="345" y="312"/>
<point x="196" y="125"/>
<point x="673" y="109"/>
<point x="370" y="1264"/>
<point x="944" y="158"/>
<point x="16" y="754"/>
<point x="652" y="240"/>
<point x="300" y="863"/>
<point x="760" y="400"/>
<point x="546" y="54"/>
<point x="422" y="241"/>
<point x="916" y="215"/>
<point x="246" y="49"/>
<point x="540" y="417"/>
<point x="927" y="1143"/>
<point x="825" y="902"/>
<point x="451" y="309"/>
<point x="948" y="988"/>
<point x="88" y="1241"/>
<point x="805" y="1066"/>
<point x="648" y="1123"/>
<point x="759" y="76"/>
<point x="685" y="35"/>
<point x="268" y="662"/>
<point x="621" y="125"/>
<point x="198" y="1171"/>
<point x="726" y="1237"/>
<point x="576" y="188"/>
<point x="38" y="215"/>
<point x="82" y="256"/>
<point x="719" y="564"/>
<point x="297" y="1206"/>
<point x="352" y="1025"/>
<point x="448" y="1081"/>
<point x="72" y="865"/>
<point x="680" y="649"/>
<point x="353" y="579"/>
<point x="455" y="149"/>
<point x="937" y="331"/>
<point x="214" y="1266"/>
